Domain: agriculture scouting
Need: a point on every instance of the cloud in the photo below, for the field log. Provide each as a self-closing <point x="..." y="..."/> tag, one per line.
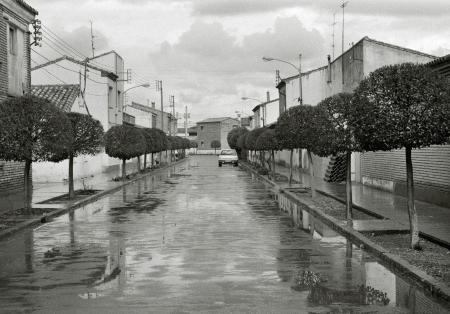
<point x="208" y="47"/>
<point x="239" y="7"/>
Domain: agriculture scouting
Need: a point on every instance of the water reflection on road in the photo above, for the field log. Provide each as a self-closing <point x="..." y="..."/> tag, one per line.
<point x="196" y="239"/>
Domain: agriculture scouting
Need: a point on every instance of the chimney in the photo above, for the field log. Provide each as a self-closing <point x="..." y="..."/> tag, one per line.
<point x="268" y="96"/>
<point x="329" y="69"/>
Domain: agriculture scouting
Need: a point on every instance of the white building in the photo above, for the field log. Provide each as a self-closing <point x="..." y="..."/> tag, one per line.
<point x="95" y="87"/>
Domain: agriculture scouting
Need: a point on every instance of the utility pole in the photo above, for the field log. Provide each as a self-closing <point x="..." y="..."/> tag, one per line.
<point x="186" y="117"/>
<point x="171" y="104"/>
<point x="333" y="26"/>
<point x="343" y="5"/>
<point x="159" y="88"/>
<point x="300" y="90"/>
<point x="92" y="40"/>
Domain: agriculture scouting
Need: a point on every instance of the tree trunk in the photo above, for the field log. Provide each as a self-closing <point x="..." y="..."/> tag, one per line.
<point x="71" y="189"/>
<point x="413" y="221"/>
<point x="290" y="167"/>
<point x="153" y="160"/>
<point x="124" y="171"/>
<point x="160" y="157"/>
<point x="28" y="186"/>
<point x="299" y="165"/>
<point x="348" y="189"/>
<point x="138" y="164"/>
<point x="273" y="165"/>
<point x="145" y="161"/>
<point x="311" y="174"/>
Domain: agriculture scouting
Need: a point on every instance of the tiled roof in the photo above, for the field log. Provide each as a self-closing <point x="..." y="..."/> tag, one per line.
<point x="441" y="65"/>
<point x="212" y="120"/>
<point x="62" y="96"/>
<point x="26" y="6"/>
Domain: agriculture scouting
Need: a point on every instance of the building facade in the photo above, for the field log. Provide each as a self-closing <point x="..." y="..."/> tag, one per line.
<point x="150" y="117"/>
<point x="16" y="17"/>
<point x="214" y="129"/>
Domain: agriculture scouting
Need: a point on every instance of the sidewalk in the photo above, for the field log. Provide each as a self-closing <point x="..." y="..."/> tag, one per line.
<point x="43" y="191"/>
<point x="434" y="221"/>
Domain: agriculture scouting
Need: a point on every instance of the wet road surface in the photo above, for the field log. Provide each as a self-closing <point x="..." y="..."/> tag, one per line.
<point x="198" y="238"/>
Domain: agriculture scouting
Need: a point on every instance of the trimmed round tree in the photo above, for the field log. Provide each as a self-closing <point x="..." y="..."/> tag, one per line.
<point x="334" y="135"/>
<point x="215" y="144"/>
<point x="302" y="129"/>
<point x="32" y="129"/>
<point x="124" y="142"/>
<point x="250" y="141"/>
<point x="87" y="139"/>
<point x="149" y="143"/>
<point x="402" y="106"/>
<point x="232" y="138"/>
<point x="268" y="141"/>
<point x="240" y="145"/>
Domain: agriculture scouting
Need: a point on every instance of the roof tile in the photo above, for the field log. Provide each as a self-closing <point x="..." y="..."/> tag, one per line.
<point x="62" y="96"/>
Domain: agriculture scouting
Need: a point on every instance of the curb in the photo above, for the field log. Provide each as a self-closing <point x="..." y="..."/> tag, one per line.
<point x="432" y="286"/>
<point x="90" y="199"/>
<point x="424" y="235"/>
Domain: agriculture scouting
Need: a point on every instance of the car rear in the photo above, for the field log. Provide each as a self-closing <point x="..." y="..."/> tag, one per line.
<point x="228" y="156"/>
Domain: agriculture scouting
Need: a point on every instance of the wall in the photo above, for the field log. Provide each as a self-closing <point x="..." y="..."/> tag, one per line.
<point x="206" y="133"/>
<point x="14" y="78"/>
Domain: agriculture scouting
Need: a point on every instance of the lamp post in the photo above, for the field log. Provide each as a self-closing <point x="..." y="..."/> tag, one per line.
<point x="146" y="85"/>
<point x="263" y="107"/>
<point x="298" y="68"/>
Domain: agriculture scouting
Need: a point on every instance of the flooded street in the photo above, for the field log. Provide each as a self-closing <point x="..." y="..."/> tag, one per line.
<point x="198" y="238"/>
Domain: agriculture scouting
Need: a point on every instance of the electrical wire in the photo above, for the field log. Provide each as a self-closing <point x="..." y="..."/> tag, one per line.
<point x="51" y="74"/>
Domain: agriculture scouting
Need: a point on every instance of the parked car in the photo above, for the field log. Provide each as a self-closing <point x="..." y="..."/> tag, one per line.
<point x="228" y="156"/>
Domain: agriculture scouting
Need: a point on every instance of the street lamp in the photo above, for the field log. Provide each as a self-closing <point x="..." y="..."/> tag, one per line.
<point x="298" y="68"/>
<point x="146" y="85"/>
<point x="262" y="106"/>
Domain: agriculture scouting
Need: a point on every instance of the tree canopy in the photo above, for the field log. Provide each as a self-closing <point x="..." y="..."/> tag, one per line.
<point x="32" y="129"/>
<point x="215" y="144"/>
<point x="124" y="142"/>
<point x="267" y="141"/>
<point x="404" y="105"/>
<point x="333" y="133"/>
<point x="252" y="137"/>
<point x="294" y="128"/>
<point x="233" y="136"/>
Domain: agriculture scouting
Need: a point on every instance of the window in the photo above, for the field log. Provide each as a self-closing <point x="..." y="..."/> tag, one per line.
<point x="110" y="98"/>
<point x="202" y="144"/>
<point x="12" y="41"/>
<point x="118" y="103"/>
<point x="201" y="129"/>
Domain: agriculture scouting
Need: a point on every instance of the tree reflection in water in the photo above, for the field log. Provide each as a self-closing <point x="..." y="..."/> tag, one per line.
<point x="321" y="295"/>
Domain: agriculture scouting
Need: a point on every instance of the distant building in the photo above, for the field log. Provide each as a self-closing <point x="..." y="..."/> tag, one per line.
<point x="214" y="129"/>
<point x="150" y="117"/>
<point x="15" y="19"/>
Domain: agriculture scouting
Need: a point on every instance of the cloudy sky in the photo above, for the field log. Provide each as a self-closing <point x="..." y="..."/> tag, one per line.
<point x="208" y="52"/>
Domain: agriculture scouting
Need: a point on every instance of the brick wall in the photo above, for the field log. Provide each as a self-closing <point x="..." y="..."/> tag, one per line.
<point x="206" y="133"/>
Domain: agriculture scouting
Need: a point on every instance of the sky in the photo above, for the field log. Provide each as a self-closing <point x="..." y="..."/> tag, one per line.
<point x="208" y="53"/>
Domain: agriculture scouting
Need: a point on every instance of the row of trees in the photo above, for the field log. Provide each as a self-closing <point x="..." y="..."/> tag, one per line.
<point x="400" y="106"/>
<point x="34" y="130"/>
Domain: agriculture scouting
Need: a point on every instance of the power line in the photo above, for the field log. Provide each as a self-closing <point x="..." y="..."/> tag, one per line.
<point x="48" y="72"/>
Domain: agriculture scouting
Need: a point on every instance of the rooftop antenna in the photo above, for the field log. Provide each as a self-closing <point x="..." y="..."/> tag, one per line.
<point x="92" y="40"/>
<point x="333" y="26"/>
